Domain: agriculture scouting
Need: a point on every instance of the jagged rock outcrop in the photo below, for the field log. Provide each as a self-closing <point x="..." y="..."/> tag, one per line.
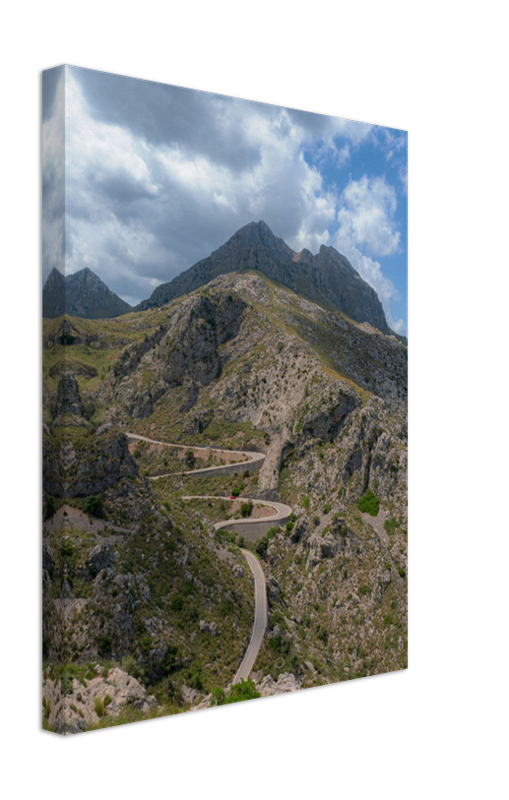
<point x="101" y="557"/>
<point x="71" y="706"/>
<point x="184" y="351"/>
<point x="287" y="682"/>
<point x="91" y="464"/>
<point x="53" y="295"/>
<point x="97" y="463"/>
<point x="82" y="294"/>
<point x="267" y="687"/>
<point x="68" y="397"/>
<point x="246" y="365"/>
<point x="327" y="277"/>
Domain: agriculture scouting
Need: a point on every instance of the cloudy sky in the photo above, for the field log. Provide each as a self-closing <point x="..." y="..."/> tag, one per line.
<point x="157" y="177"/>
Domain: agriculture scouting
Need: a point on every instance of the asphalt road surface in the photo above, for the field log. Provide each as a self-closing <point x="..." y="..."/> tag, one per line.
<point x="282" y="510"/>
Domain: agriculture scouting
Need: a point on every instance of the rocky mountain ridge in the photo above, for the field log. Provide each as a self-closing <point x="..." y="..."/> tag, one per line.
<point x="247" y="364"/>
<point x="71" y="705"/>
<point x="326" y="278"/>
<point x="82" y="294"/>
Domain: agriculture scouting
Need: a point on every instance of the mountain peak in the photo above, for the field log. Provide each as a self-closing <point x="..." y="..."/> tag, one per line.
<point x="327" y="278"/>
<point x="258" y="235"/>
<point x="81" y="294"/>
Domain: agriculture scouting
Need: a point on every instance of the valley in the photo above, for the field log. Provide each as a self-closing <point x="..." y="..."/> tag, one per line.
<point x="237" y="429"/>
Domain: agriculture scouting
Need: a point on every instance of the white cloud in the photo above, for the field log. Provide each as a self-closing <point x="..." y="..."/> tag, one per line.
<point x="195" y="174"/>
<point x="371" y="272"/>
<point x="366" y="216"/>
<point x="92" y="145"/>
<point x="53" y="184"/>
<point x="141" y="209"/>
<point x="403" y="176"/>
<point x="397" y="325"/>
<point x="355" y="132"/>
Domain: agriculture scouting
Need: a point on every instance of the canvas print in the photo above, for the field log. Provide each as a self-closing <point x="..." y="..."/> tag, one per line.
<point x="224" y="400"/>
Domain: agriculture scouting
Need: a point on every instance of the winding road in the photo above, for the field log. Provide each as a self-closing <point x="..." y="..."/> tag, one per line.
<point x="253" y="461"/>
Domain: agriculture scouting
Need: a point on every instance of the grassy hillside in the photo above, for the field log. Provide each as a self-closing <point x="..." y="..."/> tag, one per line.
<point x="244" y="364"/>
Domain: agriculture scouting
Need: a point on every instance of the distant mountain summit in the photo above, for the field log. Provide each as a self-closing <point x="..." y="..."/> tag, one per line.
<point x="326" y="278"/>
<point x="82" y="294"/>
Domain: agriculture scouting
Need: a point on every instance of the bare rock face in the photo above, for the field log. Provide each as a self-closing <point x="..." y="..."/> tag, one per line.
<point x="182" y="352"/>
<point x="285" y="683"/>
<point x="273" y="588"/>
<point x="208" y="627"/>
<point x="101" y="557"/>
<point x="70" y="407"/>
<point x="325" y="276"/>
<point x="72" y="706"/>
<point x="102" y="465"/>
<point x="68" y="398"/>
<point x="82" y="294"/>
<point x="90" y="466"/>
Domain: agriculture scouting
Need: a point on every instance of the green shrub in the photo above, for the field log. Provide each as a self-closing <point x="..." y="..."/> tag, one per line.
<point x="94" y="505"/>
<point x="390" y="525"/>
<point x="262" y="544"/>
<point x="306" y="502"/>
<point x="226" y="608"/>
<point x="189" y="459"/>
<point x="177" y="603"/>
<point x="104" y="645"/>
<point x="131" y="666"/>
<point x="245" y="690"/>
<point x="246" y="508"/>
<point x="99" y="708"/>
<point x="322" y="633"/>
<point x="364" y="589"/>
<point x="50" y="506"/>
<point x="66" y="683"/>
<point x="369" y="503"/>
<point x="194" y="678"/>
<point x="326" y="508"/>
<point x="402" y="572"/>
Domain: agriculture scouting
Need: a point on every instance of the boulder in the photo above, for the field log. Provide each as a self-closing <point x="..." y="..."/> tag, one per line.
<point x="48" y="560"/>
<point x="101" y="557"/>
<point x="286" y="682"/>
<point x="189" y="696"/>
<point x="273" y="588"/>
<point x="208" y="627"/>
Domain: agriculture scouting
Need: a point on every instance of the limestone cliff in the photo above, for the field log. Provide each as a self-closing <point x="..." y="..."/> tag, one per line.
<point x="327" y="277"/>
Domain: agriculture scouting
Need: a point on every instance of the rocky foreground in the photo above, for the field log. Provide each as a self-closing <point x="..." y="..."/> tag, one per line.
<point x="72" y="706"/>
